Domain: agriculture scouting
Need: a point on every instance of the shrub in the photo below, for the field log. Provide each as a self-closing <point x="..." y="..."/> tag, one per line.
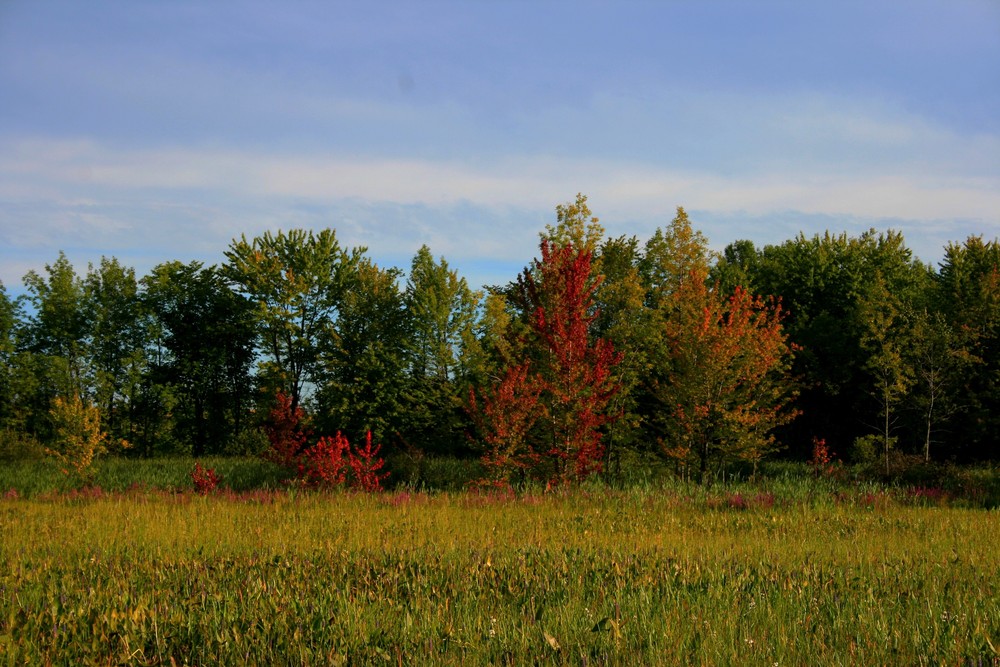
<point x="205" y="479"/>
<point x="286" y="433"/>
<point x="325" y="464"/>
<point x="18" y="446"/>
<point x="824" y="461"/>
<point x="78" y="436"/>
<point x="366" y="466"/>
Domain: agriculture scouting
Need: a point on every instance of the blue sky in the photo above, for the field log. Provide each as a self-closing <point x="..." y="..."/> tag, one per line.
<point x="154" y="131"/>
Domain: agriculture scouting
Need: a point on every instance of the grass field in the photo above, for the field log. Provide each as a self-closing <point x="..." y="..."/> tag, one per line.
<point x="792" y="573"/>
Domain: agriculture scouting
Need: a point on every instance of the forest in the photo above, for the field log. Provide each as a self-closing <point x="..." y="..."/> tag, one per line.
<point x="604" y="354"/>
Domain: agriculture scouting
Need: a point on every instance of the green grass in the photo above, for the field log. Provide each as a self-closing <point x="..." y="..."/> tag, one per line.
<point x="30" y="478"/>
<point x="796" y="573"/>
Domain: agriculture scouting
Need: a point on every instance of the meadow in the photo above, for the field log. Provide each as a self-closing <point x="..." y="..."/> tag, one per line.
<point x="791" y="571"/>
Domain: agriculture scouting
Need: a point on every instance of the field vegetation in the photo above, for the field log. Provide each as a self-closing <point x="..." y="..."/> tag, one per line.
<point x="789" y="570"/>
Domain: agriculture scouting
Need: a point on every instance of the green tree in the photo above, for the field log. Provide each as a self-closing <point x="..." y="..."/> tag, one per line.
<point x="576" y="226"/>
<point x="59" y="326"/>
<point x="117" y="342"/>
<point x="362" y="380"/>
<point x="884" y="336"/>
<point x="968" y="295"/>
<point x="821" y="281"/>
<point x="939" y="357"/>
<point x="737" y="267"/>
<point x="297" y="280"/>
<point x="53" y="359"/>
<point x="442" y="353"/>
<point x="205" y="347"/>
<point x="10" y="315"/>
<point x="670" y="257"/>
<point x="625" y="321"/>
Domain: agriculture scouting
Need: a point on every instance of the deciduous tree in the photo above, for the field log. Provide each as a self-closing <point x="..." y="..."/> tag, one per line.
<point x="574" y="367"/>
<point x="361" y="383"/>
<point x="442" y="353"/>
<point x="204" y="351"/>
<point x="723" y="378"/>
<point x="117" y="343"/>
<point x="297" y="281"/>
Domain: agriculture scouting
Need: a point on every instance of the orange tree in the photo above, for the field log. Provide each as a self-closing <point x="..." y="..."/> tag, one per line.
<point x="723" y="377"/>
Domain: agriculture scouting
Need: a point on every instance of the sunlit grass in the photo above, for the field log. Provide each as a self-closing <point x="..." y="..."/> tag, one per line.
<point x="681" y="576"/>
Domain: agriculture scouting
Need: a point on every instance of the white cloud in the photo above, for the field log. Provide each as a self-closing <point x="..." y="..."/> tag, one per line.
<point x="530" y="181"/>
<point x="804" y="158"/>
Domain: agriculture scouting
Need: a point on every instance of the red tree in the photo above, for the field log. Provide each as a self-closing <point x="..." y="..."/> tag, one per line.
<point x="564" y="383"/>
<point x="575" y="369"/>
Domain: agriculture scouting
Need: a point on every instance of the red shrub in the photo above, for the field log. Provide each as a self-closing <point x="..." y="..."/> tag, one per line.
<point x="285" y="431"/>
<point x="205" y="479"/>
<point x="824" y="461"/>
<point x="366" y="466"/>
<point x="325" y="463"/>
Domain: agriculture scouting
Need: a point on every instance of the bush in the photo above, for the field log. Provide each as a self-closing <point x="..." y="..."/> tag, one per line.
<point x="205" y="479"/>
<point x="17" y="446"/>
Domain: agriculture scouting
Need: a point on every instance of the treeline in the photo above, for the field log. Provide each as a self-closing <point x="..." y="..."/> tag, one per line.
<point x="602" y="348"/>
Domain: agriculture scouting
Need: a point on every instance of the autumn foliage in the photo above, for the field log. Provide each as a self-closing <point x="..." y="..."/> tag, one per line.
<point x="330" y="461"/>
<point x="726" y="386"/>
<point x="505" y="415"/>
<point x="545" y="414"/>
<point x="286" y="432"/>
<point x="78" y="435"/>
<point x="205" y="480"/>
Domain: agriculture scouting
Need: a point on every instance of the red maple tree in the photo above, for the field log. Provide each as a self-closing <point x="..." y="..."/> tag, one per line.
<point x="564" y="383"/>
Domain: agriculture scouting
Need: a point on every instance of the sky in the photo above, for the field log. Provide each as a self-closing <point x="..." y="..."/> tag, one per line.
<point x="160" y="131"/>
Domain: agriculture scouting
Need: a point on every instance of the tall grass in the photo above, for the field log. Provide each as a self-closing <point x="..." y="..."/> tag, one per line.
<point x="674" y="576"/>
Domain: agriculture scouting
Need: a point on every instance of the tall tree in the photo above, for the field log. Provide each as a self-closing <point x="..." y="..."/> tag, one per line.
<point x="968" y="289"/>
<point x="821" y="281"/>
<point x="884" y="335"/>
<point x="938" y="355"/>
<point x="724" y="382"/>
<point x="10" y="315"/>
<point x="206" y="340"/>
<point x="671" y="256"/>
<point x="297" y="281"/>
<point x="576" y="226"/>
<point x="117" y="342"/>
<point x="442" y="314"/>
<point x="360" y="388"/>
<point x="625" y="321"/>
<point x="574" y="367"/>
<point x="54" y="349"/>
<point x="59" y="326"/>
<point x="737" y="267"/>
